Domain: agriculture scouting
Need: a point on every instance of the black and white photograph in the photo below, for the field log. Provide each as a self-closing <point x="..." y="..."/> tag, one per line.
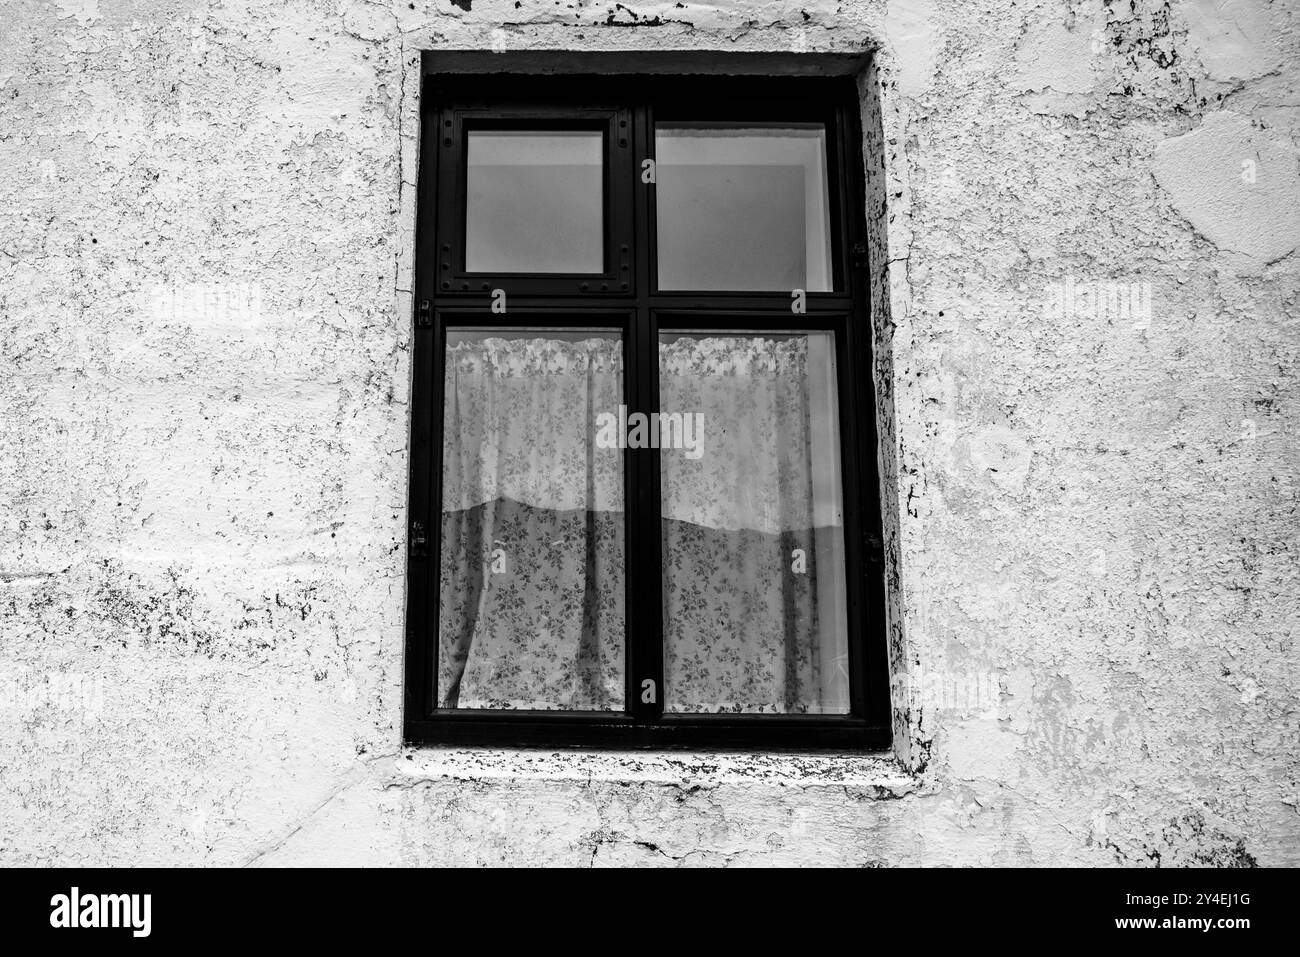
<point x="516" y="434"/>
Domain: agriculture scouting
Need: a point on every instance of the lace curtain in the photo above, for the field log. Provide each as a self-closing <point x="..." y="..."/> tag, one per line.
<point x="533" y="568"/>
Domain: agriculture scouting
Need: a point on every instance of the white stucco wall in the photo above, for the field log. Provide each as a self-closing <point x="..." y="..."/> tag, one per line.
<point x="206" y="231"/>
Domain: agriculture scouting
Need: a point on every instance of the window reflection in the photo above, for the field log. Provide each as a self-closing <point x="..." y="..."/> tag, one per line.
<point x="742" y="208"/>
<point x="535" y="202"/>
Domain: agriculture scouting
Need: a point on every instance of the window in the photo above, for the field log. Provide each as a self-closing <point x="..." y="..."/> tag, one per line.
<point x="643" y="488"/>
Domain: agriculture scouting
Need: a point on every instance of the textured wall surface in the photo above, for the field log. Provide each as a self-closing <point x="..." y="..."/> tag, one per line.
<point x="1085" y="223"/>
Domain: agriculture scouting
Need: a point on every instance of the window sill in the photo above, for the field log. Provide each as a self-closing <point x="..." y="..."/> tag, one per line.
<point x="871" y="776"/>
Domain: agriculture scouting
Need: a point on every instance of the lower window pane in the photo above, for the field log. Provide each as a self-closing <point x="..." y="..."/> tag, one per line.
<point x="753" y="540"/>
<point x="532" y="565"/>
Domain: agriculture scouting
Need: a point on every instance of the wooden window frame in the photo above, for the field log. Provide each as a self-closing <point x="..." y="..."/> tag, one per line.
<point x="623" y="295"/>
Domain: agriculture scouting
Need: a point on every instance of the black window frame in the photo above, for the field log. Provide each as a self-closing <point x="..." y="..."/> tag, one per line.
<point x="626" y="107"/>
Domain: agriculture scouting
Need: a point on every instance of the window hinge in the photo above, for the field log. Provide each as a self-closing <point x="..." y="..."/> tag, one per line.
<point x="419" y="541"/>
<point x="859" y="255"/>
<point x="424" y="315"/>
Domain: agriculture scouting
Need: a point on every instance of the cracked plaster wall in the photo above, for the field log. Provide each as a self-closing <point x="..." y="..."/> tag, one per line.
<point x="206" y="223"/>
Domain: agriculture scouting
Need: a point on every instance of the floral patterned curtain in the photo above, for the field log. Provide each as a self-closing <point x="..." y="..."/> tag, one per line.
<point x="752" y="535"/>
<point x="533" y="571"/>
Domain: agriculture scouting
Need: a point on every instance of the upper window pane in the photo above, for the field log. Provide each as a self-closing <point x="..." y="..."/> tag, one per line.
<point x="535" y="202"/>
<point x="742" y="208"/>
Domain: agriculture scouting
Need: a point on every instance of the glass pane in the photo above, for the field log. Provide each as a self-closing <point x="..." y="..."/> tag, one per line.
<point x="535" y="202"/>
<point x="532" y="567"/>
<point x="742" y="209"/>
<point x="753" y="538"/>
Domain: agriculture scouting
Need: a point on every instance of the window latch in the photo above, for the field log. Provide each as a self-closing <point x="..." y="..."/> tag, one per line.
<point x="419" y="541"/>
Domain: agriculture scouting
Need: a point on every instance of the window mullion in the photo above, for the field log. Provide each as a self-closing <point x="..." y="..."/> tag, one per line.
<point x="645" y="576"/>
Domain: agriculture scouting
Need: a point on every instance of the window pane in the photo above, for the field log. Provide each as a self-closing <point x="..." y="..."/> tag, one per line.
<point x="742" y="208"/>
<point x="753" y="539"/>
<point x="531" y="613"/>
<point x="535" y="202"/>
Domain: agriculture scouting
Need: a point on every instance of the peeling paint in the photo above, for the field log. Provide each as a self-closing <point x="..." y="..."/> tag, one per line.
<point x="1236" y="39"/>
<point x="1236" y="185"/>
